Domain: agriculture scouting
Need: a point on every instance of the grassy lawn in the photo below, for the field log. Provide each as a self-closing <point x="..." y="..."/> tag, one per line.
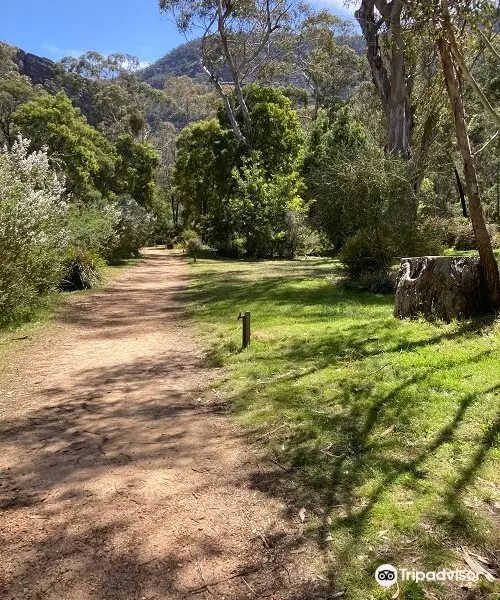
<point x="389" y="430"/>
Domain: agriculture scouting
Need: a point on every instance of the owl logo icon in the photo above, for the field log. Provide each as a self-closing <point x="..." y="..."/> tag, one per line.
<point x="386" y="575"/>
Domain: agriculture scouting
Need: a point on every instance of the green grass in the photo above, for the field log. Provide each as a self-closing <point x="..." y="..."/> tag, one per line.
<point x="390" y="428"/>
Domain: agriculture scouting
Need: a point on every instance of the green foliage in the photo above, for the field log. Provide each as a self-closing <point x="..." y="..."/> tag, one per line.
<point x="161" y="210"/>
<point x="113" y="231"/>
<point x="260" y="212"/>
<point x="189" y="234"/>
<point x="368" y="251"/>
<point x="114" y="98"/>
<point x="134" y="228"/>
<point x="276" y="132"/>
<point x="135" y="170"/>
<point x="189" y="101"/>
<point x="244" y="203"/>
<point x="15" y="90"/>
<point x="194" y="245"/>
<point x="92" y="227"/>
<point x="83" y="269"/>
<point x="203" y="168"/>
<point x="364" y="200"/>
<point x="85" y="155"/>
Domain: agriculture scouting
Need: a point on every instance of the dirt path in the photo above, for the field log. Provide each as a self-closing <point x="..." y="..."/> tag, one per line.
<point x="119" y="476"/>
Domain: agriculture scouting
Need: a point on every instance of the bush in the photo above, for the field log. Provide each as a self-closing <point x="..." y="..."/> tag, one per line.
<point x="83" y="270"/>
<point x="377" y="282"/>
<point x="93" y="227"/>
<point x="188" y="234"/>
<point x="32" y="232"/>
<point x="193" y="246"/>
<point x="134" y="229"/>
<point x="464" y="234"/>
<point x="367" y="252"/>
<point x="263" y="214"/>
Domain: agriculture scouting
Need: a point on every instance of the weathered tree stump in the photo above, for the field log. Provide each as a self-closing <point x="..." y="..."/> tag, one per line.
<point x="445" y="287"/>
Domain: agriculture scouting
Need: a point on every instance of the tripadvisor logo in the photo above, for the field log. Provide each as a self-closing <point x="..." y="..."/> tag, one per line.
<point x="386" y="575"/>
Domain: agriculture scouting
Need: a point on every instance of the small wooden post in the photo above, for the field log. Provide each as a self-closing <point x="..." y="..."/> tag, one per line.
<point x="246" y="328"/>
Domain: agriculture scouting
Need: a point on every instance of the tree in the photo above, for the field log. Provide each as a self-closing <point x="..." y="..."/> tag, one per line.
<point x="164" y="141"/>
<point x="236" y="39"/>
<point x="136" y="170"/>
<point x="120" y="103"/>
<point x="202" y="171"/>
<point x="381" y="22"/>
<point x="85" y="155"/>
<point x="277" y="134"/>
<point x="330" y="68"/>
<point x="233" y="194"/>
<point x="15" y="90"/>
<point x="453" y="67"/>
<point x="189" y="100"/>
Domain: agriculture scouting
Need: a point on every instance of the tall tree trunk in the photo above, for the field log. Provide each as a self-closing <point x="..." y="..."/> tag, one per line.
<point x="390" y="80"/>
<point x="483" y="240"/>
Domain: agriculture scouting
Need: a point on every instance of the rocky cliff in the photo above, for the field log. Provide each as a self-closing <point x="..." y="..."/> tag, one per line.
<point x="40" y="70"/>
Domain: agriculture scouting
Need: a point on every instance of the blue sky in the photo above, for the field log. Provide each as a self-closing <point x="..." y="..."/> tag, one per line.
<point x="57" y="28"/>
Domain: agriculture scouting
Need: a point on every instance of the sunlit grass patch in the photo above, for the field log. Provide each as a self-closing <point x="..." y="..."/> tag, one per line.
<point x="390" y="428"/>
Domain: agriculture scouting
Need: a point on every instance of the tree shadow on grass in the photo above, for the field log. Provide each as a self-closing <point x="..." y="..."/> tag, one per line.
<point x="346" y="484"/>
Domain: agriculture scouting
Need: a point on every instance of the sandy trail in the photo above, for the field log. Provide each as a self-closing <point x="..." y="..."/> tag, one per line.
<point x="120" y="476"/>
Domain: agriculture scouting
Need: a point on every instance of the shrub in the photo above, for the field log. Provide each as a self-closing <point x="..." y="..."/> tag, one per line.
<point x="367" y="252"/>
<point x="32" y="232"/>
<point x="134" y="228"/>
<point x="194" y="246"/>
<point x="83" y="270"/>
<point x="377" y="282"/>
<point x="464" y="234"/>
<point x="188" y="234"/>
<point x="264" y="211"/>
<point x="93" y="227"/>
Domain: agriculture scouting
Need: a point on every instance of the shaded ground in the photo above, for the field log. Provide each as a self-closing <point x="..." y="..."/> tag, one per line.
<point x="119" y="476"/>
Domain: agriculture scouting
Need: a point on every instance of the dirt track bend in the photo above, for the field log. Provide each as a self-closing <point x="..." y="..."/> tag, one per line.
<point x="120" y="476"/>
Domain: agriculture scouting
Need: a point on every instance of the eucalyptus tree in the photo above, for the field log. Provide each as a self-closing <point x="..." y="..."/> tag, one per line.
<point x="329" y="67"/>
<point x="236" y="43"/>
<point x="449" y="19"/>
<point x="382" y="23"/>
<point x="120" y="103"/>
<point x="189" y="100"/>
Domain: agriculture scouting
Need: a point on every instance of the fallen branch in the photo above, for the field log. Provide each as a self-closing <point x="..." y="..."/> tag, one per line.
<point x="273" y="460"/>
<point x="203" y="587"/>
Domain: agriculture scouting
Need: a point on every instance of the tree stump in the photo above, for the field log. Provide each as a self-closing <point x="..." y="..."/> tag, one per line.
<point x="444" y="287"/>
